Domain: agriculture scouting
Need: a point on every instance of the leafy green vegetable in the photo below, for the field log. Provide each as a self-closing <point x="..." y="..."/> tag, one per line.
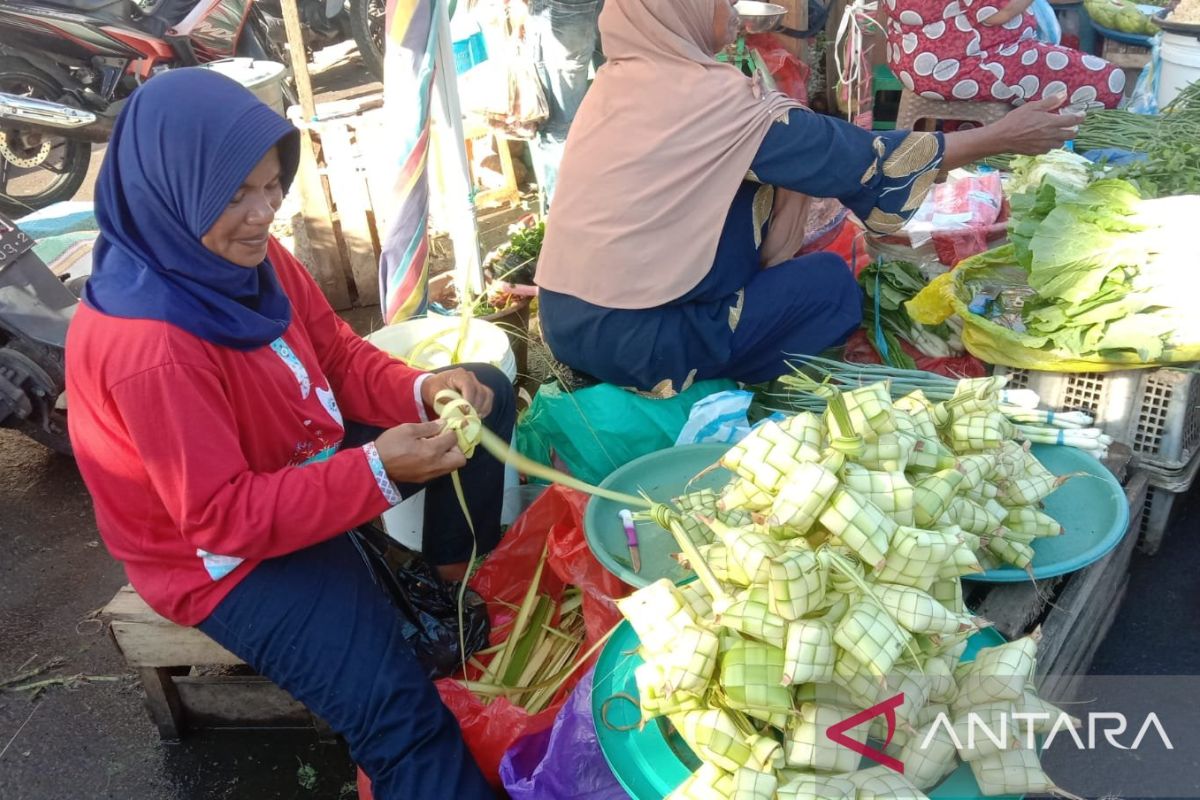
<point x="1112" y="272"/>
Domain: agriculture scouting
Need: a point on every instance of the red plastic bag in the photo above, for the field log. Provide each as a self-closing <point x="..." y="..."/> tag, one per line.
<point x="860" y="350"/>
<point x="554" y="521"/>
<point x="790" y="73"/>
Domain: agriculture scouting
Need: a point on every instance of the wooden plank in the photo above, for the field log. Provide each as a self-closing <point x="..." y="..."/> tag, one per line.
<point x="352" y="204"/>
<point x="325" y="261"/>
<point x="169" y="645"/>
<point x="298" y="56"/>
<point x="1014" y="608"/>
<point x="796" y="18"/>
<point x="162" y="703"/>
<point x="1060" y="686"/>
<point x="239" y="701"/>
<point x="149" y="640"/>
<point x="1079" y="612"/>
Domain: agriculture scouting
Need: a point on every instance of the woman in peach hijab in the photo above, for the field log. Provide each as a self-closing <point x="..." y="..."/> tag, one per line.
<point x="669" y="254"/>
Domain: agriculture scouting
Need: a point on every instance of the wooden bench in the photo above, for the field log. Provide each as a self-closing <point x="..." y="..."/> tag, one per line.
<point x="165" y="656"/>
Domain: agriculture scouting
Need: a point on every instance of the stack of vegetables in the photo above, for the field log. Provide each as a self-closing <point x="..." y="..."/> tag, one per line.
<point x="1120" y="15"/>
<point x="888" y="285"/>
<point x="1113" y="273"/>
<point x="1170" y="141"/>
<point x="830" y="580"/>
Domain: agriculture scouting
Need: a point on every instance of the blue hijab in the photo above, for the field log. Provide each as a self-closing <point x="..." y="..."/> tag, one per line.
<point x="180" y="150"/>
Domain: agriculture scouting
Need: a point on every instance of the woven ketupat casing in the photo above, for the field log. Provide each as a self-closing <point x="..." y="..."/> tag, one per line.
<point x="809" y="745"/>
<point x="817" y="787"/>
<point x="929" y="756"/>
<point x="859" y="525"/>
<point x="690" y="662"/>
<point x="1013" y="771"/>
<point x="797" y="584"/>
<point x="750" y="615"/>
<point x="871" y="638"/>
<point x="810" y="653"/>
<point x="884" y="783"/>
<point x="752" y="678"/>
<point x="915" y="557"/>
<point x="714" y="737"/>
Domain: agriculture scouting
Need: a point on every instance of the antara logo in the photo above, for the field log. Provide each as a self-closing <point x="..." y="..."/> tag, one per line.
<point x="887" y="710"/>
<point x="1018" y="727"/>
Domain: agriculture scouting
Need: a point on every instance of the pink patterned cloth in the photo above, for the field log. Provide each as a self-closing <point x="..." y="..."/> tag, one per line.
<point x="944" y="52"/>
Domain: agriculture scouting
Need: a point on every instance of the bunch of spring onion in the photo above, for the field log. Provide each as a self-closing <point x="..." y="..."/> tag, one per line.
<point x="1020" y="406"/>
<point x="829" y="579"/>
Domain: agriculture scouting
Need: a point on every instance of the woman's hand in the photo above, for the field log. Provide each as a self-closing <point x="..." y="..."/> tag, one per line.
<point x="1037" y="127"/>
<point x="1030" y="130"/>
<point x="462" y="381"/>
<point x="419" y="452"/>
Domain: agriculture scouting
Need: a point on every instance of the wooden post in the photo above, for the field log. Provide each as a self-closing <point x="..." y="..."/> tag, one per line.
<point x="295" y="38"/>
<point x="797" y="18"/>
<point x="327" y="258"/>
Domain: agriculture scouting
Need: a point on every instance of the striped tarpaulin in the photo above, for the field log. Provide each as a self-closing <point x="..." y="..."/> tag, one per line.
<point x="409" y="71"/>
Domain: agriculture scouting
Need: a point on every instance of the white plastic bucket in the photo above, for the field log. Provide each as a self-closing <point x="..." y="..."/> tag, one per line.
<point x="486" y="342"/>
<point x="264" y="78"/>
<point x="1180" y="54"/>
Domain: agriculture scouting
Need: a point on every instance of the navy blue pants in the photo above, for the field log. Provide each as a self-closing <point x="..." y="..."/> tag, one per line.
<point x="316" y="624"/>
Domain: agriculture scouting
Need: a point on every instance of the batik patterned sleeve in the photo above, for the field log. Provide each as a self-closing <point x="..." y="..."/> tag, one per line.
<point x="882" y="176"/>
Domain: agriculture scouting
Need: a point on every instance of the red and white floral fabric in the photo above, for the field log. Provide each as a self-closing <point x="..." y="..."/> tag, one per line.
<point x="943" y="51"/>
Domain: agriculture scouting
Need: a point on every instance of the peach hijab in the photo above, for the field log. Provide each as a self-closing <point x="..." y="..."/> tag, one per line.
<point x="655" y="155"/>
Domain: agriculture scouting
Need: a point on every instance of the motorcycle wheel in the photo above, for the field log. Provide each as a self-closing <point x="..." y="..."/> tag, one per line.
<point x="367" y="24"/>
<point x="44" y="169"/>
<point x="56" y="437"/>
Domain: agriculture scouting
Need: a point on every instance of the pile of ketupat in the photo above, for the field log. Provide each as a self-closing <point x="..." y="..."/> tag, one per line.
<point x="829" y="581"/>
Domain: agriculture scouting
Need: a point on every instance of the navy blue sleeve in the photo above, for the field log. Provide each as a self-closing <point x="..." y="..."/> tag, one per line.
<point x="881" y="176"/>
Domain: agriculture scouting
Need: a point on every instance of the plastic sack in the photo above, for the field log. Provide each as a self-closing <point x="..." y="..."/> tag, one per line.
<point x="429" y="606"/>
<point x="1049" y="28"/>
<point x="959" y="217"/>
<point x="507" y="93"/>
<point x="594" y="431"/>
<point x="722" y="418"/>
<point x="553" y="522"/>
<point x="1144" y="99"/>
<point x="564" y="762"/>
<point x="789" y="72"/>
<point x="995" y="344"/>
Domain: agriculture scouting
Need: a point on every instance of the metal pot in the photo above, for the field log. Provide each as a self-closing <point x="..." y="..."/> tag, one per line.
<point x="759" y="17"/>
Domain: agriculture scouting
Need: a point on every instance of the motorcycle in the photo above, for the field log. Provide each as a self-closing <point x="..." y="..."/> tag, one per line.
<point x="328" y="22"/>
<point x="66" y="69"/>
<point x="35" y="310"/>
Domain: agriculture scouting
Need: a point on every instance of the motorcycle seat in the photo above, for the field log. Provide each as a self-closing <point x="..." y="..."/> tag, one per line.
<point x="117" y="9"/>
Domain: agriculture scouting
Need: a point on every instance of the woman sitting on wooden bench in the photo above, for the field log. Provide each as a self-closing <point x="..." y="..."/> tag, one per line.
<point x="208" y="378"/>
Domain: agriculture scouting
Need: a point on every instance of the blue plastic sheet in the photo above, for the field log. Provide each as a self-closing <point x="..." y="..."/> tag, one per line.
<point x="564" y="762"/>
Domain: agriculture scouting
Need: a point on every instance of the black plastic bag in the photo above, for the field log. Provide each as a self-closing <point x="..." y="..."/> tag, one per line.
<point x="428" y="604"/>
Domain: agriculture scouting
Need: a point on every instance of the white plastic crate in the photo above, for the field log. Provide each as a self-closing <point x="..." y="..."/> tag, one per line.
<point x="1155" y="412"/>
<point x="1155" y="516"/>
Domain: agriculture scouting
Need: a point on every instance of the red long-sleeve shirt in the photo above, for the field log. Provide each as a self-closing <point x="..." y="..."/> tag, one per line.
<point x="202" y="460"/>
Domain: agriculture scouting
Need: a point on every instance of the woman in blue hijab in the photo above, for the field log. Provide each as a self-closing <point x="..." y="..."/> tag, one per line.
<point x="211" y="389"/>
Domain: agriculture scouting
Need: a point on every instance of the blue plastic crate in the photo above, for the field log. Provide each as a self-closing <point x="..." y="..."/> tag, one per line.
<point x="469" y="52"/>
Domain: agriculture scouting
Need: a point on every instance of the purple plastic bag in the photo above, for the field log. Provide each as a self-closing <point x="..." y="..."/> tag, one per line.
<point x="565" y="762"/>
